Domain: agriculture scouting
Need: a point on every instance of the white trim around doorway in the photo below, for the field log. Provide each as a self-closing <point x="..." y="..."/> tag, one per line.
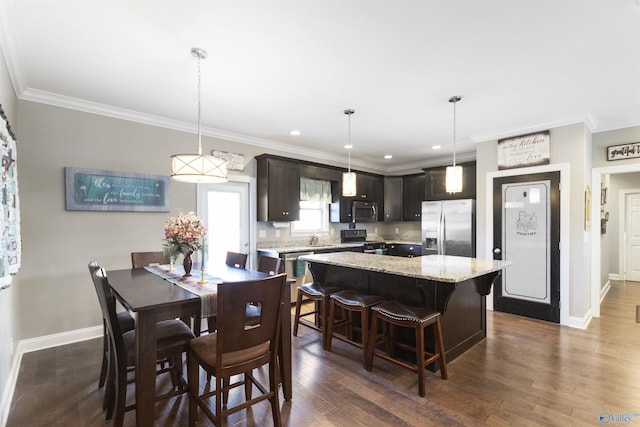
<point x="596" y="178"/>
<point x="565" y="295"/>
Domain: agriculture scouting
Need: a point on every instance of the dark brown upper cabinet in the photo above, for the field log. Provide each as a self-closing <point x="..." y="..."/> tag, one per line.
<point x="278" y="188"/>
<point x="413" y="191"/>
<point x="435" y="183"/>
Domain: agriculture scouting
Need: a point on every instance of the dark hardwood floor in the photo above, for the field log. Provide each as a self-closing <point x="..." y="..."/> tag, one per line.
<point x="526" y="373"/>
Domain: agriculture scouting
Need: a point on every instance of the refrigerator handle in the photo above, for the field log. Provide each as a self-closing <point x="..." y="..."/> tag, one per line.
<point x="443" y="233"/>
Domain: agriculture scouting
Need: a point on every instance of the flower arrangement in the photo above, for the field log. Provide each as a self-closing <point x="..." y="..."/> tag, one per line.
<point x="183" y="234"/>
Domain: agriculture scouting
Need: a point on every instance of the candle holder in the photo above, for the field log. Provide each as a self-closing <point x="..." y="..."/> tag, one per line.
<point x="202" y="281"/>
<point x="170" y="263"/>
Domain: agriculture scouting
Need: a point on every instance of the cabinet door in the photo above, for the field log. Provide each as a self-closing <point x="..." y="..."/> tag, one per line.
<point x="284" y="191"/>
<point x="436" y="189"/>
<point x="393" y="198"/>
<point x="413" y="188"/>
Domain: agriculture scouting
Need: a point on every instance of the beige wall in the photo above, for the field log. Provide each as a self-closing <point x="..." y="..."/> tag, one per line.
<point x="568" y="145"/>
<point x="55" y="294"/>
<point x="8" y="299"/>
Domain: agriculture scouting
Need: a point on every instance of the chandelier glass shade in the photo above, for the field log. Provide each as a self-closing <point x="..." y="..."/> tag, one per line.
<point x="349" y="178"/>
<point x="198" y="168"/>
<point x="453" y="177"/>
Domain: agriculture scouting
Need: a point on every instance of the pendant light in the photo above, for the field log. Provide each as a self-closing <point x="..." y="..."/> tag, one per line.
<point x="198" y="168"/>
<point x="453" y="178"/>
<point x="349" y="178"/>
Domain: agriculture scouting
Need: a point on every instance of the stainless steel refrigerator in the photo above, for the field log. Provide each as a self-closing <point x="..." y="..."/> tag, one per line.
<point x="449" y="227"/>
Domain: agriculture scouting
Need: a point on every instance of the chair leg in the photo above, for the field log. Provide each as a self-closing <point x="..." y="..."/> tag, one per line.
<point x="105" y="353"/>
<point x="420" y="358"/>
<point x="275" y="400"/>
<point x="296" y="319"/>
<point x="120" y="396"/>
<point x="248" y="386"/>
<point x="324" y="320"/>
<point x="218" y="415"/>
<point x="371" y="346"/>
<point x="193" y="374"/>
<point x="364" y="318"/>
<point x="437" y="330"/>
<point x="330" y="324"/>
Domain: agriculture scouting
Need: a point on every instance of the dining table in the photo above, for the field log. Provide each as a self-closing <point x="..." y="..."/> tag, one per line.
<point x="150" y="298"/>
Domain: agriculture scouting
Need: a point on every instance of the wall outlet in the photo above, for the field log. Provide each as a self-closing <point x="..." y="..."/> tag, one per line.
<point x="262" y="234"/>
<point x="375" y="230"/>
<point x="397" y="230"/>
<point x="277" y="233"/>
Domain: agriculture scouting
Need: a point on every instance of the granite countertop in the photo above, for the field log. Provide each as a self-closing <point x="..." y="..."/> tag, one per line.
<point x="441" y="268"/>
<point x="310" y="248"/>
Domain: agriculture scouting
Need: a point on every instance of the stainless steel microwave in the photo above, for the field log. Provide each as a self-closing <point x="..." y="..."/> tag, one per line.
<point x="364" y="211"/>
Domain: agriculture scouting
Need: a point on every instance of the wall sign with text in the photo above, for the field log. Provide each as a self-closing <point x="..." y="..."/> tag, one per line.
<point x="99" y="190"/>
<point x="524" y="150"/>
<point x="624" y="151"/>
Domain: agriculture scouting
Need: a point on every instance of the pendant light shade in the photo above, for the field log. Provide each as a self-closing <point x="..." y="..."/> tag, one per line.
<point x="453" y="177"/>
<point x="349" y="178"/>
<point x="198" y="168"/>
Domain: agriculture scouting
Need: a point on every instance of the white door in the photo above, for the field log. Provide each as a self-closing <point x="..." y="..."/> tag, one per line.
<point x="632" y="230"/>
<point x="225" y="211"/>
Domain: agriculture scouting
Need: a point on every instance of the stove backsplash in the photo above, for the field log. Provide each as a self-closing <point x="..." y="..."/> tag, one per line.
<point x="279" y="235"/>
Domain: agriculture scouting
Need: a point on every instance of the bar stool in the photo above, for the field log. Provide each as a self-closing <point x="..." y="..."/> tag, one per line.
<point x="315" y="292"/>
<point x="394" y="314"/>
<point x="351" y="301"/>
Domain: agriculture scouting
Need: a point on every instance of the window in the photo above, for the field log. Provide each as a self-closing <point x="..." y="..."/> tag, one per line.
<point x="315" y="196"/>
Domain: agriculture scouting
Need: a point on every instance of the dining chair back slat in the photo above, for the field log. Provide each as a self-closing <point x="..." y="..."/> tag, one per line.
<point x="270" y="265"/>
<point x="143" y="259"/>
<point x="236" y="259"/>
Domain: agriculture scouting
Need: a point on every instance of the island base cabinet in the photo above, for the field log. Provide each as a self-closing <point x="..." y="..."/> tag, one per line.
<point x="463" y="306"/>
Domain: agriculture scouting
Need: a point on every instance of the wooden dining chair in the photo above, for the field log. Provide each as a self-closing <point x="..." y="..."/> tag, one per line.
<point x="173" y="337"/>
<point x="126" y="323"/>
<point x="239" y="345"/>
<point x="143" y="259"/>
<point x="236" y="259"/>
<point x="270" y="265"/>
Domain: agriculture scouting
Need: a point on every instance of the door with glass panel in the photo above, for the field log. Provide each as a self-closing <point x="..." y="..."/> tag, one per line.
<point x="527" y="232"/>
<point x="225" y="210"/>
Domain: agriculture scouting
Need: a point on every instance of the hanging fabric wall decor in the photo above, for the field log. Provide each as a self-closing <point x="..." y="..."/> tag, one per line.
<point x="10" y="241"/>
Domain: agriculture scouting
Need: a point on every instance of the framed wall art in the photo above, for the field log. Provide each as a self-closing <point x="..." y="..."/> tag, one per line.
<point x="10" y="237"/>
<point x="524" y="150"/>
<point x="624" y="151"/>
<point x="101" y="190"/>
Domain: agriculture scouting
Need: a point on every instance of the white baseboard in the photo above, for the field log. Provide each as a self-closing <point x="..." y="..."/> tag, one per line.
<point x="604" y="290"/>
<point x="63" y="338"/>
<point x="34" y="344"/>
<point x="580" y="322"/>
<point x="616" y="276"/>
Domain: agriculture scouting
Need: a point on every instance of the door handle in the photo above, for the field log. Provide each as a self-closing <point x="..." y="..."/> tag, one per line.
<point x="497" y="251"/>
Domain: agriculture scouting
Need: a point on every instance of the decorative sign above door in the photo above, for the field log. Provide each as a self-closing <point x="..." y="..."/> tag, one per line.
<point x="624" y="151"/>
<point x="524" y="150"/>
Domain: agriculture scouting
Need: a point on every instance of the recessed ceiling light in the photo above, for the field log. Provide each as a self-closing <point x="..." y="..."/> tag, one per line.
<point x="348" y="146"/>
<point x="295" y="132"/>
<point x="436" y="147"/>
<point x="388" y="156"/>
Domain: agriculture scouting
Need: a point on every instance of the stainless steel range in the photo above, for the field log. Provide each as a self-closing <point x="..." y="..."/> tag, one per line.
<point x="360" y="235"/>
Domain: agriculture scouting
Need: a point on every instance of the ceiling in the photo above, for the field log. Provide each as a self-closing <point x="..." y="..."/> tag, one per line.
<point x="274" y="66"/>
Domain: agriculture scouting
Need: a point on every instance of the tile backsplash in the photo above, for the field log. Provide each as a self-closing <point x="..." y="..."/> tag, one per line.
<point x="274" y="235"/>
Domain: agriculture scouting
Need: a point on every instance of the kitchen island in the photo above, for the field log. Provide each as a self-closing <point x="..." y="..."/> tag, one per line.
<point x="455" y="286"/>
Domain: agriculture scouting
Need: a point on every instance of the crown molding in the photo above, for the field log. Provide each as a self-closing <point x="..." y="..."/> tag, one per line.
<point x="9" y="51"/>
<point x="534" y="127"/>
